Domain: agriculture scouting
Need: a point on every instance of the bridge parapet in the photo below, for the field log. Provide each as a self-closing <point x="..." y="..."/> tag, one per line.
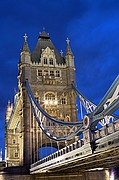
<point x="106" y="130"/>
<point x="69" y="153"/>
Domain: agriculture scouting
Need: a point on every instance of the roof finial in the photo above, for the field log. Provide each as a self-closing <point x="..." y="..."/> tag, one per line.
<point x="43" y="28"/>
<point x="61" y="52"/>
<point x="25" y="37"/>
<point x="25" y="46"/>
<point x="68" y="49"/>
<point x="68" y="41"/>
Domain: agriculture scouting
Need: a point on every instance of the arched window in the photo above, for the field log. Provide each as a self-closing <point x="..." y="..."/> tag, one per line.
<point x="50" y="96"/>
<point x="50" y="99"/>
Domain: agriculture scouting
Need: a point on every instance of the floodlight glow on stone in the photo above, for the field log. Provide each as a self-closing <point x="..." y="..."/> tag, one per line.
<point x="51" y="102"/>
<point x="46" y="101"/>
<point x="55" y="102"/>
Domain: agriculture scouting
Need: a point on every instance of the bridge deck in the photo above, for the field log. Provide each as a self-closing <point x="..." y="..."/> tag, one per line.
<point x="104" y="153"/>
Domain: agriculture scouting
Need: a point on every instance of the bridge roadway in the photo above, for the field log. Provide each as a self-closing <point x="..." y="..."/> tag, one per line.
<point x="100" y="151"/>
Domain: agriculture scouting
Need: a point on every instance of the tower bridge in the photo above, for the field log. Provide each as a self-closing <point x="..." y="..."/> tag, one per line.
<point x="44" y="112"/>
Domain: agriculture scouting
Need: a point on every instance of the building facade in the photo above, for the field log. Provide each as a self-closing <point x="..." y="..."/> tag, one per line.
<point x="50" y="76"/>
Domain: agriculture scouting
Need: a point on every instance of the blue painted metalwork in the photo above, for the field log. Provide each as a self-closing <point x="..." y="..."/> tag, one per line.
<point x="42" y="118"/>
<point x="96" y="114"/>
<point x="88" y="105"/>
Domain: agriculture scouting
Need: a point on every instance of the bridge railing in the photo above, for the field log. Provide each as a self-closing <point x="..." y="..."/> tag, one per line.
<point x="60" y="152"/>
<point x="80" y="148"/>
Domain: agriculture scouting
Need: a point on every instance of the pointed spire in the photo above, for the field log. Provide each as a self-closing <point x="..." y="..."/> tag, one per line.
<point x="25" y="46"/>
<point x="61" y="52"/>
<point x="9" y="111"/>
<point x="68" y="49"/>
<point x="43" y="28"/>
<point x="9" y="104"/>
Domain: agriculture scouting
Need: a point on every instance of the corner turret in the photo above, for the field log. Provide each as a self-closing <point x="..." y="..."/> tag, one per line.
<point x="69" y="57"/>
<point x="9" y="111"/>
<point x="25" y="56"/>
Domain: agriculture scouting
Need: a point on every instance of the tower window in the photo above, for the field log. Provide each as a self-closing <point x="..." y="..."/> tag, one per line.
<point x="51" y="73"/>
<point x="16" y="154"/>
<point x="45" y="60"/>
<point x="63" y="100"/>
<point x="57" y="74"/>
<point x="39" y="72"/>
<point x="14" y="141"/>
<point x="50" y="99"/>
<point x="46" y="72"/>
<point x="51" y="61"/>
<point x="50" y="96"/>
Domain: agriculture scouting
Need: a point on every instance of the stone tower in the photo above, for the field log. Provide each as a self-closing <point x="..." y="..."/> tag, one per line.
<point x="50" y="76"/>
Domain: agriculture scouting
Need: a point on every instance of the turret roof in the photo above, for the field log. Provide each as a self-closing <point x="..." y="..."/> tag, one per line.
<point x="68" y="49"/>
<point x="44" y="42"/>
<point x="25" y="46"/>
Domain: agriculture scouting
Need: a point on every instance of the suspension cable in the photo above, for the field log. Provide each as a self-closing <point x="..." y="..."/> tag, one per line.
<point x="81" y="110"/>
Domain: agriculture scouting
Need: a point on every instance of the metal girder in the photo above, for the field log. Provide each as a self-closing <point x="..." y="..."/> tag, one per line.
<point x="111" y="95"/>
<point x="108" y="105"/>
<point x="88" y="105"/>
<point x="91" y="108"/>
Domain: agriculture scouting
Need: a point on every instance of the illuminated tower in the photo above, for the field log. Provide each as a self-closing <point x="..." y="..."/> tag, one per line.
<point x="50" y="76"/>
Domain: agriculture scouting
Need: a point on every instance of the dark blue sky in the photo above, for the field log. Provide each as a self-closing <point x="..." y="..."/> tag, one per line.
<point x="91" y="25"/>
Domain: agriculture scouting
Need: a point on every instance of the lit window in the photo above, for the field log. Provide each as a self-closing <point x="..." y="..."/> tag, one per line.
<point x="39" y="72"/>
<point x="63" y="100"/>
<point x="51" y="73"/>
<point x="51" y="61"/>
<point x="50" y="99"/>
<point x="57" y="74"/>
<point x="45" y="60"/>
<point x="16" y="154"/>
